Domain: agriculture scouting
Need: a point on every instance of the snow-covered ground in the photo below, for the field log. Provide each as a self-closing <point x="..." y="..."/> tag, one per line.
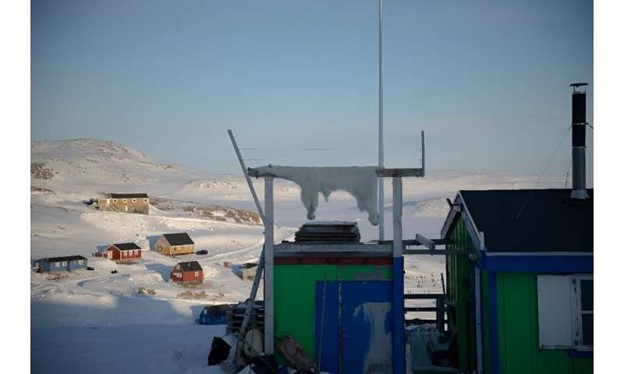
<point x="100" y="322"/>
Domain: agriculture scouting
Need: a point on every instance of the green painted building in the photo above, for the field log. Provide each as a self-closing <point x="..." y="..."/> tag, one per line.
<point x="332" y="299"/>
<point x="522" y="301"/>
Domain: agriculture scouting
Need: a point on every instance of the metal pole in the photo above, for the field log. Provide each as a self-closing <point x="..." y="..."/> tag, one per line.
<point x="268" y="265"/>
<point x="381" y="150"/>
<point x="422" y="141"/>
<point x="244" y="169"/>
<point x="398" y="340"/>
<point x="260" y="268"/>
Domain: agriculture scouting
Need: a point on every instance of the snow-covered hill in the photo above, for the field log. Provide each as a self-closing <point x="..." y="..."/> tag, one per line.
<point x="99" y="318"/>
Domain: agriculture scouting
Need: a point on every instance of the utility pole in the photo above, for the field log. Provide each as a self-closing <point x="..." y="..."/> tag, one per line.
<point x="381" y="150"/>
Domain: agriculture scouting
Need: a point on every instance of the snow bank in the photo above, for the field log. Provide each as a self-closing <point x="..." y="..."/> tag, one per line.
<point x="360" y="182"/>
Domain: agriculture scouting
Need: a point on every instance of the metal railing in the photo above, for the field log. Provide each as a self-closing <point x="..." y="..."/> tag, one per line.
<point x="439" y="309"/>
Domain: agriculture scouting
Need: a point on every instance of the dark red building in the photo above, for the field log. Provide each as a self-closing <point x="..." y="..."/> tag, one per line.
<point x="188" y="272"/>
<point x="123" y="252"/>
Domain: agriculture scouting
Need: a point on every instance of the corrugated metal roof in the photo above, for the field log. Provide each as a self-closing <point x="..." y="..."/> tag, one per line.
<point x="63" y="258"/>
<point x="126" y="246"/>
<point x="190" y="266"/>
<point x="128" y="195"/>
<point x="532" y="220"/>
<point x="178" y="239"/>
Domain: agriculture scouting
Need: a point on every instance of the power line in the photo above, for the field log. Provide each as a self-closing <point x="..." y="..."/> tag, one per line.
<point x="543" y="171"/>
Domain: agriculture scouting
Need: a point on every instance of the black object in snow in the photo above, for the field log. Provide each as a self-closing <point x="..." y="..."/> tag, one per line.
<point x="219" y="351"/>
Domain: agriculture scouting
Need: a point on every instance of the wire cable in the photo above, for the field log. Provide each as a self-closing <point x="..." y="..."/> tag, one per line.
<point x="543" y="171"/>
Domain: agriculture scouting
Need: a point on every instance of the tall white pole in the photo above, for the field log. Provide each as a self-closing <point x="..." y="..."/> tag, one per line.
<point x="381" y="151"/>
<point x="268" y="266"/>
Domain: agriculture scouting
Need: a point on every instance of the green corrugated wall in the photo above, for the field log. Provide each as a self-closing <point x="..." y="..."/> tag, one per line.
<point x="518" y="339"/>
<point x="294" y="290"/>
<point x="459" y="279"/>
<point x="519" y="350"/>
<point x="485" y="312"/>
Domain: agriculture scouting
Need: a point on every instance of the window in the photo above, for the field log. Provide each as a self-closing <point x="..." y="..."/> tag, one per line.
<point x="136" y="252"/>
<point x="124" y="200"/>
<point x="114" y="200"/>
<point x="197" y="273"/>
<point x="585" y="292"/>
<point x="134" y="200"/>
<point x="145" y="200"/>
<point x="565" y="311"/>
<point x="79" y="262"/>
<point x="64" y="263"/>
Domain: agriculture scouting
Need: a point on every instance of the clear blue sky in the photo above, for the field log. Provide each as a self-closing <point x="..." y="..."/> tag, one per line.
<point x="486" y="80"/>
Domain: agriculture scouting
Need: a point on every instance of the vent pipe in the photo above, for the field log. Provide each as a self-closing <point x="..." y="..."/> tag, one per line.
<point x="579" y="122"/>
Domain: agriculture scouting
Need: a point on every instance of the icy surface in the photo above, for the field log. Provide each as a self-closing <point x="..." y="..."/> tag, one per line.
<point x="359" y="181"/>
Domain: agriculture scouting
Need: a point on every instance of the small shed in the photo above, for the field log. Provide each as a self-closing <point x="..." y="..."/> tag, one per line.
<point x="123" y="252"/>
<point x="57" y="264"/>
<point x="188" y="272"/>
<point x="213" y="315"/>
<point x="247" y="271"/>
<point x="522" y="301"/>
<point x="175" y="244"/>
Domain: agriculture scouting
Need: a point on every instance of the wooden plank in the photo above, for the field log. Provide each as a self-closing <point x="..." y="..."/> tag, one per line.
<point x="413" y="242"/>
<point x="426" y="242"/>
<point x="400" y="172"/>
<point x="439" y="315"/>
<point x="323" y="247"/>
<point x="397" y="216"/>
<point x="458" y="252"/>
<point x="423" y="296"/>
<point x="420" y="309"/>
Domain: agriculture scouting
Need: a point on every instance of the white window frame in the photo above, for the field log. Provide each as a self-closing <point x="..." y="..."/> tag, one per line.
<point x="134" y="200"/>
<point x="114" y="200"/>
<point x="560" y="313"/>
<point x="124" y="200"/>
<point x="578" y="331"/>
<point x="145" y="200"/>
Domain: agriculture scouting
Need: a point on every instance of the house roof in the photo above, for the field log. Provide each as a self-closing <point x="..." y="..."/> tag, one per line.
<point x="532" y="220"/>
<point x="178" y="239"/>
<point x="126" y="246"/>
<point x="190" y="266"/>
<point x="63" y="258"/>
<point x="128" y="195"/>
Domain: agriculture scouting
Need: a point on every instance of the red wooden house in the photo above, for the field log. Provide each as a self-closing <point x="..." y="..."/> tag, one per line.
<point x="188" y="272"/>
<point x="123" y="252"/>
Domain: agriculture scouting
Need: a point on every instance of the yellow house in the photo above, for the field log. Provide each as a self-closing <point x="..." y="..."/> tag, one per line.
<point x="124" y="202"/>
<point x="175" y="244"/>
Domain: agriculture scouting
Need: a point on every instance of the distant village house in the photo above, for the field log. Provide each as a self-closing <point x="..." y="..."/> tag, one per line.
<point x="247" y="271"/>
<point x="123" y="252"/>
<point x="124" y="202"/>
<point x="188" y="272"/>
<point x="175" y="244"/>
<point x="65" y="263"/>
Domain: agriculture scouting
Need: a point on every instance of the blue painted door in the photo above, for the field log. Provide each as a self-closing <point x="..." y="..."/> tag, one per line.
<point x="354" y="326"/>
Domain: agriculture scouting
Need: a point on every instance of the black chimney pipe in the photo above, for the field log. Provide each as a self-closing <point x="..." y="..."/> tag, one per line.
<point x="579" y="121"/>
